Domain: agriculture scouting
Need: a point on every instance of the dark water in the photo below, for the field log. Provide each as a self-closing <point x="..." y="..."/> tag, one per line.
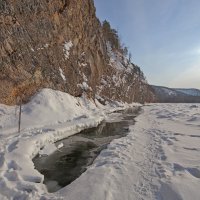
<point x="79" y="151"/>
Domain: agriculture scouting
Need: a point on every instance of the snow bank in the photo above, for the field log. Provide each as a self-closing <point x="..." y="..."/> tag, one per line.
<point x="159" y="159"/>
<point x="50" y="116"/>
<point x="47" y="108"/>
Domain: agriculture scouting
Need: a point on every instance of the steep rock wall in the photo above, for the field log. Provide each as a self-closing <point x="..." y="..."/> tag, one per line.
<point x="59" y="44"/>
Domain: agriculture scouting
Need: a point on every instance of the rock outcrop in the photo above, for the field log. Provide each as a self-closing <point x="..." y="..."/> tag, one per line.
<point x="60" y="44"/>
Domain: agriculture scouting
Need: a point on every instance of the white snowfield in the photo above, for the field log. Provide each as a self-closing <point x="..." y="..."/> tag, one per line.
<point x="158" y="159"/>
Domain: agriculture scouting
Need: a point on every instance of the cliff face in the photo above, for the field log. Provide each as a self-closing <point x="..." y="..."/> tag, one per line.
<point x="60" y="44"/>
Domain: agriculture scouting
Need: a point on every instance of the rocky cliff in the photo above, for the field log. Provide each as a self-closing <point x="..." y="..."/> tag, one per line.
<point x="60" y="44"/>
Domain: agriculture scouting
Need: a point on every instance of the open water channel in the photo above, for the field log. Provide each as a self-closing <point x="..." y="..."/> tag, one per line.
<point x="80" y="150"/>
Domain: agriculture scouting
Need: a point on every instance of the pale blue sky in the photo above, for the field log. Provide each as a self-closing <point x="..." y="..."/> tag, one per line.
<point x="162" y="35"/>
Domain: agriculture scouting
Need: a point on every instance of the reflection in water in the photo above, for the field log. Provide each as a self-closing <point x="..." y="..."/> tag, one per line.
<point x="79" y="151"/>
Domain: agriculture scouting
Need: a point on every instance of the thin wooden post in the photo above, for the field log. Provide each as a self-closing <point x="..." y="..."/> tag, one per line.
<point x="20" y="112"/>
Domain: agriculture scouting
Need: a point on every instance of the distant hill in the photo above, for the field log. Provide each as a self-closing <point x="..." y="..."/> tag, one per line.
<point x="191" y="91"/>
<point x="176" y="95"/>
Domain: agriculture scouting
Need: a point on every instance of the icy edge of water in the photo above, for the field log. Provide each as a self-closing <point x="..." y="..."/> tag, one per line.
<point x="18" y="177"/>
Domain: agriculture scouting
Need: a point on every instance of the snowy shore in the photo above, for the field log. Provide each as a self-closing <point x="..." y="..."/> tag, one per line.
<point x="50" y="116"/>
<point x="158" y="159"/>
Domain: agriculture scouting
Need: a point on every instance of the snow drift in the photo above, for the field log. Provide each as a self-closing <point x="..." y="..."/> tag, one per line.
<point x="50" y="116"/>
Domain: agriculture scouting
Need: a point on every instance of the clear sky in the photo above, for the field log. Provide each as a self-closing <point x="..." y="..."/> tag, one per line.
<point x="163" y="37"/>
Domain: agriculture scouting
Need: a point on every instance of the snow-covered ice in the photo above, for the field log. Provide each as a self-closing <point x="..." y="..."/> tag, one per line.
<point x="48" y="149"/>
<point x="158" y="159"/>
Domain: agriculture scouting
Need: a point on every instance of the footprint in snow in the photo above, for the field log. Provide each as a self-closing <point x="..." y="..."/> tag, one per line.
<point x="195" y="136"/>
<point x="192" y="170"/>
<point x="2" y="159"/>
<point x="179" y="134"/>
<point x="12" y="146"/>
<point x="13" y="165"/>
<point x="191" y="149"/>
